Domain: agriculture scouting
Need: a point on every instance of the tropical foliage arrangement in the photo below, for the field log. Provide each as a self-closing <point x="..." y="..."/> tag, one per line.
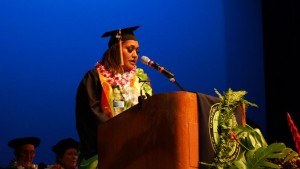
<point x="256" y="153"/>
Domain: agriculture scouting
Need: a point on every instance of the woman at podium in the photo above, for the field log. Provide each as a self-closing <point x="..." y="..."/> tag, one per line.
<point x="112" y="87"/>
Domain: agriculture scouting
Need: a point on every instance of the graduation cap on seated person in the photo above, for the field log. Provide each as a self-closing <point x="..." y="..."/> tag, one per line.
<point x="119" y="35"/>
<point x="65" y="144"/>
<point x="15" y="143"/>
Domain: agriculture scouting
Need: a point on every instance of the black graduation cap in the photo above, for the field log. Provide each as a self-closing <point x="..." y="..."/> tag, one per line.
<point x="65" y="144"/>
<point x="123" y="34"/>
<point x="15" y="143"/>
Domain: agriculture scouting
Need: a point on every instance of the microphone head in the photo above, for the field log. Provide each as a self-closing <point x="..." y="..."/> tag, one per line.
<point x="145" y="60"/>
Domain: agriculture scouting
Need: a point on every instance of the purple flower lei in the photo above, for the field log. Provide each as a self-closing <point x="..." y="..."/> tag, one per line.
<point x="118" y="80"/>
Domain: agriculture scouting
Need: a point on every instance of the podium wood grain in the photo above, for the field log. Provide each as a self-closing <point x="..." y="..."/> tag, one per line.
<point x="163" y="134"/>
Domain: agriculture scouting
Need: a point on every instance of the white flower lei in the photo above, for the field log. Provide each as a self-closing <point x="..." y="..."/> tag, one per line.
<point x="129" y="94"/>
<point x="18" y="166"/>
<point x="122" y="81"/>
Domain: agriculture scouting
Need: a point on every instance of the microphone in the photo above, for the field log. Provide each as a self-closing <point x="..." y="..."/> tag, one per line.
<point x="162" y="70"/>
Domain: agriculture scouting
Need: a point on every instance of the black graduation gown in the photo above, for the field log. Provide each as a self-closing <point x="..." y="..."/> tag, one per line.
<point x="88" y="112"/>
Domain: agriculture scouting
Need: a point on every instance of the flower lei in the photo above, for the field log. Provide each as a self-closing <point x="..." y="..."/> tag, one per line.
<point x="54" y="166"/>
<point x="118" y="80"/>
<point x="14" y="163"/>
<point x="130" y="95"/>
<point x="122" y="81"/>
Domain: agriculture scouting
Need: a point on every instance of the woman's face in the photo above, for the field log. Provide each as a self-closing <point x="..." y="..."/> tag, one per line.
<point x="130" y="49"/>
<point x="69" y="159"/>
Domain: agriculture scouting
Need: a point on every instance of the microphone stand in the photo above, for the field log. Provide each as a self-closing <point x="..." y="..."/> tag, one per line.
<point x="141" y="97"/>
<point x="173" y="80"/>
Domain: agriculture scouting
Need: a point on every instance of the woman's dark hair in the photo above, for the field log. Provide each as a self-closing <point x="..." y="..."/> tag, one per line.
<point x="59" y="154"/>
<point x="110" y="61"/>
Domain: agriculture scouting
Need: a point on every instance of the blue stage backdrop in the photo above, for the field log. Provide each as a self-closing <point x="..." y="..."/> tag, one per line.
<point x="46" y="47"/>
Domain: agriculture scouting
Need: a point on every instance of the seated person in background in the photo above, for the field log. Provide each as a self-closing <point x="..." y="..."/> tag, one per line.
<point x="24" y="152"/>
<point x="66" y="154"/>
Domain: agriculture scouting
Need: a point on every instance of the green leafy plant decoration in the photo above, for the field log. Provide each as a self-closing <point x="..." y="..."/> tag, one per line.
<point x="257" y="158"/>
<point x="251" y="138"/>
<point x="291" y="160"/>
<point x="256" y="152"/>
<point x="292" y="155"/>
<point x="227" y="122"/>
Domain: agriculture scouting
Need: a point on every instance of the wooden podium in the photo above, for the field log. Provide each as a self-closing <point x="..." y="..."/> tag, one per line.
<point x="163" y="134"/>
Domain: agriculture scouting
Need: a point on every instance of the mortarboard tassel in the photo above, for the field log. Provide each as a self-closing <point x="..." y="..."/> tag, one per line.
<point x="294" y="131"/>
<point x="119" y="48"/>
